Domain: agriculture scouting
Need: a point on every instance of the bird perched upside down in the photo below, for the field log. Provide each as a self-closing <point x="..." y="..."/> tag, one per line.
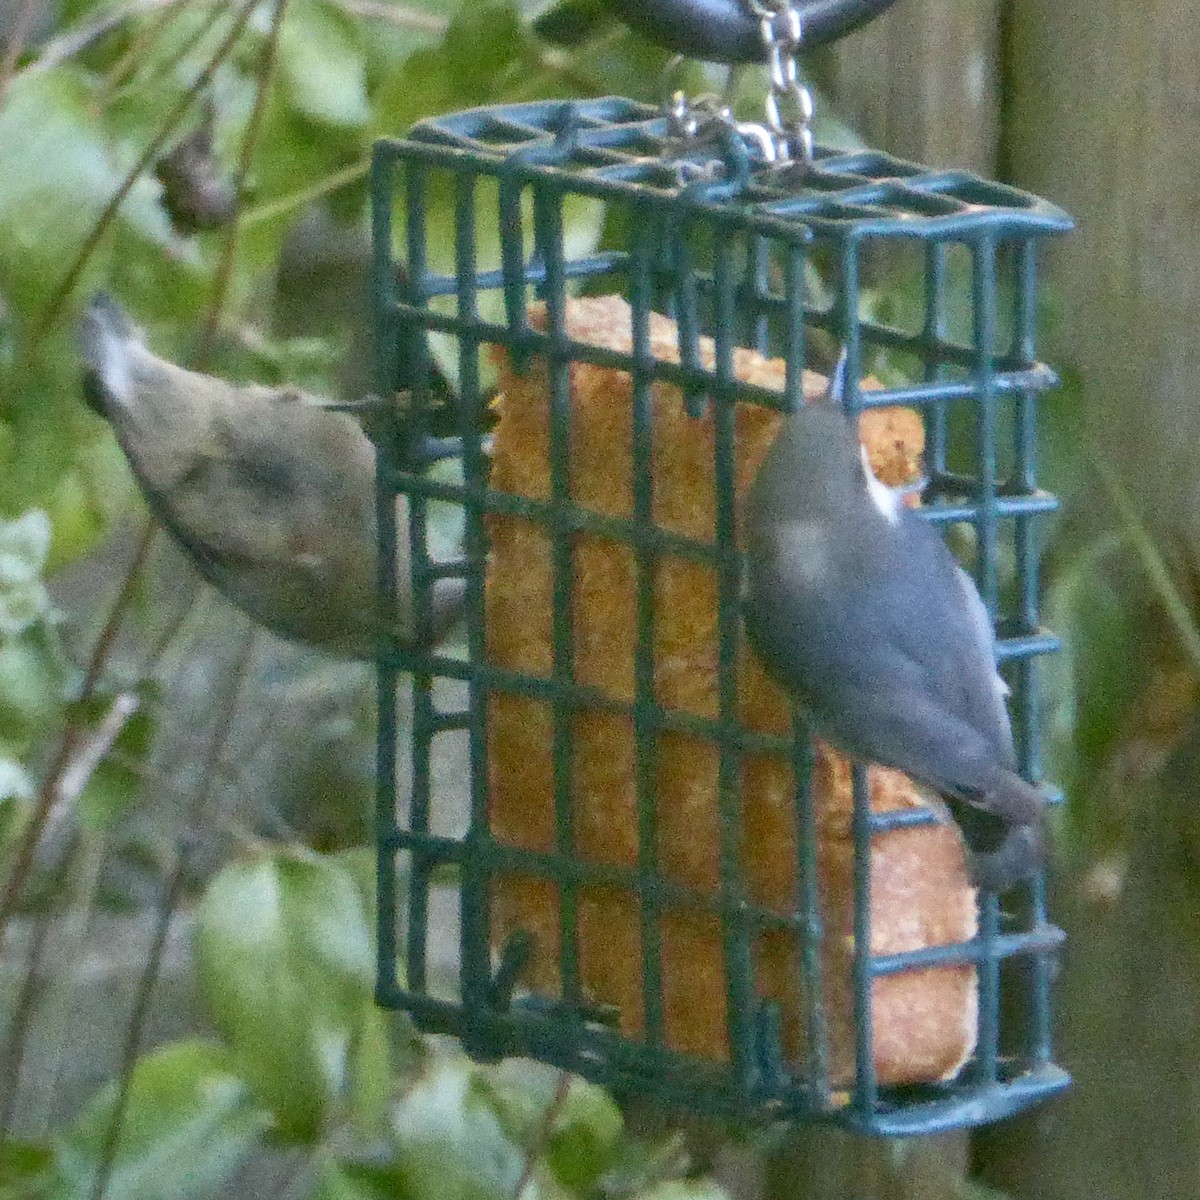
<point x="271" y="495"/>
<point x="858" y="609"/>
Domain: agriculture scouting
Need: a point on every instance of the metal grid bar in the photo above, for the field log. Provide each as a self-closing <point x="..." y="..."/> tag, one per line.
<point x="871" y="192"/>
<point x="984" y="319"/>
<point x="417" y="927"/>
<point x="1024" y="335"/>
<point x="579" y="150"/>
<point x="1009" y="376"/>
<point x="383" y="283"/>
<point x="742" y="1004"/>
<point x="807" y="883"/>
<point x="644" y="247"/>
<point x="474" y="931"/>
<point x="547" y="211"/>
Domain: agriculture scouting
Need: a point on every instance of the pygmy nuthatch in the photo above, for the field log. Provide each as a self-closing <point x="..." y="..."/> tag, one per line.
<point x="857" y="608"/>
<point x="271" y="496"/>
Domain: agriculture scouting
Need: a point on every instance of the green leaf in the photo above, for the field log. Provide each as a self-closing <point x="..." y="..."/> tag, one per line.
<point x="25" y="1168"/>
<point x="371" y="1074"/>
<point x="188" y="1123"/>
<point x="684" y="1189"/>
<point x="585" y="1131"/>
<point x="116" y="784"/>
<point x="1090" y="685"/>
<point x="24" y="545"/>
<point x="32" y="684"/>
<point x="321" y="63"/>
<point x="466" y="69"/>
<point x="585" y="1135"/>
<point x="450" y="1142"/>
<point x="344" y="1180"/>
<point x="286" y="968"/>
<point x="57" y="178"/>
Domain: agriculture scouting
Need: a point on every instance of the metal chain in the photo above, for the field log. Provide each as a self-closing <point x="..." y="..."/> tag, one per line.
<point x="786" y="136"/>
<point x="789" y="103"/>
<point x="691" y="121"/>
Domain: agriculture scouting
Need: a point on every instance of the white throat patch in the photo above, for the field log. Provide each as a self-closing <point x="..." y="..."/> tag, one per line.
<point x="882" y="496"/>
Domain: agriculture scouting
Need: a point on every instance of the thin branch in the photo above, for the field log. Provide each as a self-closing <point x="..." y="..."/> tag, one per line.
<point x="202" y="799"/>
<point x="538" y="1146"/>
<point x="51" y="784"/>
<point x="249" y="143"/>
<point x="16" y="43"/>
<point x="74" y="41"/>
<point x="63" y="953"/>
<point x="1179" y="611"/>
<point x="87" y="758"/>
<point x="135" y="52"/>
<point x="396" y="14"/>
<point x="285" y="204"/>
<point x="160" y="139"/>
<point x="22" y="1016"/>
<point x="219" y="9"/>
<point x="227" y="706"/>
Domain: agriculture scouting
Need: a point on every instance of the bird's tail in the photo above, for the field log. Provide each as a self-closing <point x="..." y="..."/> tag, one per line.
<point x="1004" y="828"/>
<point x="105" y="337"/>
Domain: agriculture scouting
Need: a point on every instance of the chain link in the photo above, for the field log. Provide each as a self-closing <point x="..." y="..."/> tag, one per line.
<point x="786" y="136"/>
<point x="789" y="103"/>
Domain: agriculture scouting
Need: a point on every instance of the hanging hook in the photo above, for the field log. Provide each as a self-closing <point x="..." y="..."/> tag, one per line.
<point x="727" y="31"/>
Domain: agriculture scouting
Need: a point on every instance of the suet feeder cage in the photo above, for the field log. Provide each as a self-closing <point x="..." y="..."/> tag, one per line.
<point x="662" y="883"/>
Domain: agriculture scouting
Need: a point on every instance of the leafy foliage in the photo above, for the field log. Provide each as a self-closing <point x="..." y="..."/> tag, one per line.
<point x="282" y="941"/>
<point x="300" y="1056"/>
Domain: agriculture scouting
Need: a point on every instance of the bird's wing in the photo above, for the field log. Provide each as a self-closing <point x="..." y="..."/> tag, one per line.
<point x="942" y="628"/>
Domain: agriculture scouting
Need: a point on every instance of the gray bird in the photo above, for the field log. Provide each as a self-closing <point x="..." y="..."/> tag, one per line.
<point x="271" y="496"/>
<point x="857" y="608"/>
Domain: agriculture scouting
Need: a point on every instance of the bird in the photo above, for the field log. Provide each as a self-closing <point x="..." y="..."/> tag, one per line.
<point x="269" y="493"/>
<point x="856" y="607"/>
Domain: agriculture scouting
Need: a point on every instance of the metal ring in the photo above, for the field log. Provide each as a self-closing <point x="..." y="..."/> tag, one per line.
<point x="728" y="31"/>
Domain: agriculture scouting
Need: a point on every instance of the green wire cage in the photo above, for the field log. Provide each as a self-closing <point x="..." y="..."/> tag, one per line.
<point x="728" y="252"/>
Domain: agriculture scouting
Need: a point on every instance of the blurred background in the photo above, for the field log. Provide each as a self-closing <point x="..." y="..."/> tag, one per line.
<point x="186" y="961"/>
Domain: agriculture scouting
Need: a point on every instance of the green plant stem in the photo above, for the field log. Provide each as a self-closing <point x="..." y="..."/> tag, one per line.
<point x="135" y="53"/>
<point x="14" y="46"/>
<point x="22" y="1015"/>
<point x="293" y="200"/>
<point x="78" y="39"/>
<point x="218" y="9"/>
<point x="151" y="152"/>
<point x="63" y="952"/>
<point x="1178" y="610"/>
<point x="72" y="736"/>
<point x="202" y="800"/>
<point x="227" y="706"/>
<point x="224" y="274"/>
<point x="400" y="15"/>
<point x="537" y="1147"/>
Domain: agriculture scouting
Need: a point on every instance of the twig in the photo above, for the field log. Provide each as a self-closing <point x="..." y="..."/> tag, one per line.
<point x="87" y="758"/>
<point x="1153" y="563"/>
<point x="284" y="204"/>
<point x="63" y="952"/>
<point x="69" y="44"/>
<point x="538" y="1146"/>
<point x="137" y="1021"/>
<point x="172" y="893"/>
<point x="16" y="43"/>
<point x="18" y="1025"/>
<point x="249" y="143"/>
<point x="219" y="9"/>
<point x="51" y="783"/>
<point x="106" y="218"/>
<point x="203" y="796"/>
<point x="396" y="14"/>
<point x="129" y="62"/>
